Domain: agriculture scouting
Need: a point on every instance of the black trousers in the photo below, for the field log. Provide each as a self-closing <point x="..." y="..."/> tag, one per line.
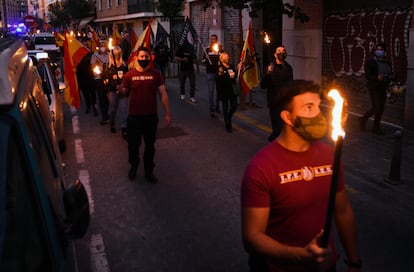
<point x="102" y="98"/>
<point x="229" y="108"/>
<point x="138" y="127"/>
<point x="378" y="96"/>
<point x="276" y="122"/>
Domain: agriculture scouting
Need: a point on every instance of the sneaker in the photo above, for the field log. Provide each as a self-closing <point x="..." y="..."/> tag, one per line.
<point x="151" y="178"/>
<point x="132" y="173"/>
<point x="193" y="100"/>
<point x="182" y="97"/>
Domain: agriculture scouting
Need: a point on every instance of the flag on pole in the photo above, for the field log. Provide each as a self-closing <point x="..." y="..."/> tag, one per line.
<point x="59" y="38"/>
<point x="143" y="40"/>
<point x="74" y="51"/>
<point x="94" y="40"/>
<point x="249" y="72"/>
<point x="133" y="36"/>
<point x="161" y="37"/>
<point x="188" y="36"/>
<point x="116" y="37"/>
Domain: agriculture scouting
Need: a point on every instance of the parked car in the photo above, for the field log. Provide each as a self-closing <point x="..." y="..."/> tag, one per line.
<point x="40" y="213"/>
<point x="54" y="91"/>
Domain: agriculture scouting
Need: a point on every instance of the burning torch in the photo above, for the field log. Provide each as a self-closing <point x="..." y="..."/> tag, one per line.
<point x="338" y="134"/>
<point x="267" y="42"/>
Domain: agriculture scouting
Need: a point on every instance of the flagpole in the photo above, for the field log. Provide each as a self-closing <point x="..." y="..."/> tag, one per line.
<point x="205" y="51"/>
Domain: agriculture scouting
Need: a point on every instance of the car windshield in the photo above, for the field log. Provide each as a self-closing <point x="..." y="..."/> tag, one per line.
<point x="44" y="40"/>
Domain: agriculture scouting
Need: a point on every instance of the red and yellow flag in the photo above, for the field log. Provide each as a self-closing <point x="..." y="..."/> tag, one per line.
<point x="94" y="40"/>
<point x="59" y="38"/>
<point x="143" y="40"/>
<point x="74" y="51"/>
<point x="249" y="72"/>
<point x="116" y="37"/>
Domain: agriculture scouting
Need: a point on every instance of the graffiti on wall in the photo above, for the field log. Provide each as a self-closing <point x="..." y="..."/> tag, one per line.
<point x="351" y="39"/>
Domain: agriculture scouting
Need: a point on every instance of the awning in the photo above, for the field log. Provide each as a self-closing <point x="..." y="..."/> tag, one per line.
<point x="84" y="22"/>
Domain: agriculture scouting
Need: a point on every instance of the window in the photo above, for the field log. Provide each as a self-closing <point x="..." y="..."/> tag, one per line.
<point x="26" y="244"/>
<point x="109" y="3"/>
<point x="118" y="2"/>
<point x="100" y="5"/>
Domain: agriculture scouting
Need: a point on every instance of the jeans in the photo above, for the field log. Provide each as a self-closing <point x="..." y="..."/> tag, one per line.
<point x="182" y="77"/>
<point x="142" y="126"/>
<point x="211" y="84"/>
<point x="118" y="103"/>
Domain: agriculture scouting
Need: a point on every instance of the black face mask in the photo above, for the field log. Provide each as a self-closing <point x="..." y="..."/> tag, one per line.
<point x="144" y="63"/>
<point x="281" y="56"/>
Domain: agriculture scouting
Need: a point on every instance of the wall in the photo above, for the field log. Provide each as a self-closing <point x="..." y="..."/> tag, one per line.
<point x="303" y="41"/>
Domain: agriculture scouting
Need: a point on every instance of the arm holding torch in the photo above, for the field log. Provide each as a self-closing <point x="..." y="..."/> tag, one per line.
<point x="339" y="205"/>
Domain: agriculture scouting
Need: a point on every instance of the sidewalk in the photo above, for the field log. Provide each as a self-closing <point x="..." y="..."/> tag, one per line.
<point x="367" y="157"/>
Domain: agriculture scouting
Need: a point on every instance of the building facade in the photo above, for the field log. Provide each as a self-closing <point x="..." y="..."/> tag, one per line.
<point x="331" y="47"/>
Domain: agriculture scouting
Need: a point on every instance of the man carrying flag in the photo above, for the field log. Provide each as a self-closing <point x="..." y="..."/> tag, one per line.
<point x="185" y="56"/>
<point x="74" y="51"/>
<point x="248" y="69"/>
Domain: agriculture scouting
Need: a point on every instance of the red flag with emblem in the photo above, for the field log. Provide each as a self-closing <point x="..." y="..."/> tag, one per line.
<point x="248" y="72"/>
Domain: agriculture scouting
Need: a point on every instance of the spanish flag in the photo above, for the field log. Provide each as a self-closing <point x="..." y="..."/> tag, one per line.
<point x="74" y="51"/>
<point x="143" y="40"/>
<point x="116" y="37"/>
<point x="249" y="72"/>
<point x="59" y="38"/>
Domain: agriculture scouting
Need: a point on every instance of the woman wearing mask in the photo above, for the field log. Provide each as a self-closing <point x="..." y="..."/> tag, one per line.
<point x="113" y="77"/>
<point x="225" y="81"/>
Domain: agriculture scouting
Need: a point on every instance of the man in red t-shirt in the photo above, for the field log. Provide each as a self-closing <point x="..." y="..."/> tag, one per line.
<point x="142" y="84"/>
<point x="285" y="191"/>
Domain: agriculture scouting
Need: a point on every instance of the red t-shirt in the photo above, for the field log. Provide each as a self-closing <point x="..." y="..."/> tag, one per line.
<point x="143" y="89"/>
<point x="295" y="186"/>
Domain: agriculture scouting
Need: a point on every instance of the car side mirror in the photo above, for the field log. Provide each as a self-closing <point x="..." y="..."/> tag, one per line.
<point x="75" y="200"/>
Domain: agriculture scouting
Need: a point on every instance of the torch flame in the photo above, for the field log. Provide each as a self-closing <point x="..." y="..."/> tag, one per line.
<point x="267" y="38"/>
<point x="110" y="47"/>
<point x="337" y="129"/>
<point x="215" y="47"/>
<point x="97" y="70"/>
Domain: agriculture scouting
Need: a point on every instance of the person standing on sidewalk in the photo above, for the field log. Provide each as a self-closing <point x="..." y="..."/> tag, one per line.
<point x="277" y="73"/>
<point x="99" y="61"/>
<point x="285" y="191"/>
<point x="185" y="57"/>
<point x="378" y="73"/>
<point x="225" y="81"/>
<point x="211" y="60"/>
<point x="142" y="84"/>
<point x="113" y="78"/>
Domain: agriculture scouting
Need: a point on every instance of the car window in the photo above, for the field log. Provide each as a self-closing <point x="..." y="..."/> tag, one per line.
<point x="45" y="40"/>
<point x="25" y="243"/>
<point x="46" y="84"/>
